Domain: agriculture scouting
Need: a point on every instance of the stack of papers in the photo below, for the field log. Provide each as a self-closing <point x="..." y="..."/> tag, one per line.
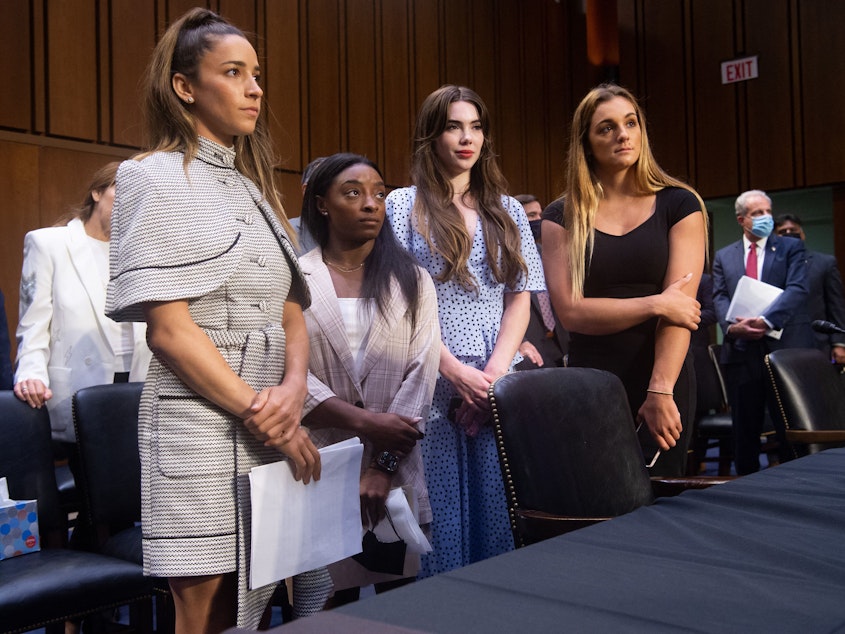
<point x="298" y="527"/>
<point x="751" y="299"/>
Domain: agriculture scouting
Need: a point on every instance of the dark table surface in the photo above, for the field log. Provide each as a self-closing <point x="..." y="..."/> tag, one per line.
<point x="763" y="553"/>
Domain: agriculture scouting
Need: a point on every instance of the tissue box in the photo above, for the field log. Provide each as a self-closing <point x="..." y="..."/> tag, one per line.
<point x="18" y="525"/>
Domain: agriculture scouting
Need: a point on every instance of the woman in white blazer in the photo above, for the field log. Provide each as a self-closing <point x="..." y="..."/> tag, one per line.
<point x="374" y="345"/>
<point x="65" y="340"/>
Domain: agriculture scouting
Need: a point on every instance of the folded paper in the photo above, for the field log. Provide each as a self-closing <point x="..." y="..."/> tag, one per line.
<point x="298" y="527"/>
<point x="751" y="299"/>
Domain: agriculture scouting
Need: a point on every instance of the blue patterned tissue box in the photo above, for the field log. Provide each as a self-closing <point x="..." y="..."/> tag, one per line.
<point x="18" y="525"/>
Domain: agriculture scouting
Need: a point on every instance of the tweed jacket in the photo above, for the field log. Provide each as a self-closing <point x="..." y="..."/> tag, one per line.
<point x="784" y="266"/>
<point x="200" y="234"/>
<point x="398" y="370"/>
<point x="64" y="336"/>
<point x="184" y="236"/>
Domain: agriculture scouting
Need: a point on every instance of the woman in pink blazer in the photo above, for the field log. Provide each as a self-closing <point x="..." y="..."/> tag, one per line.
<point x="374" y="345"/>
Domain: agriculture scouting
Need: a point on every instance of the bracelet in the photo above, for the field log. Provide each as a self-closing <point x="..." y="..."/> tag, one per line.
<point x="660" y="392"/>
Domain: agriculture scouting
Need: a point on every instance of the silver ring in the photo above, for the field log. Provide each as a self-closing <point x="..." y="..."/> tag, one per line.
<point x="23" y="389"/>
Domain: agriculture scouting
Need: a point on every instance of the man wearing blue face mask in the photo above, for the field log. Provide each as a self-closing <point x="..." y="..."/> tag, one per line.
<point x="777" y="261"/>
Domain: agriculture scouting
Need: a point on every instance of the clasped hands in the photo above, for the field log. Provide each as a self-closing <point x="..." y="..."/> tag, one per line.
<point x="472" y="385"/>
<point x="748" y="328"/>
<point x="274" y="416"/>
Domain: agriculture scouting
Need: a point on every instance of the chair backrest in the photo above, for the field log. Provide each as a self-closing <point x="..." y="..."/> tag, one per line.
<point x="106" y="421"/>
<point x="567" y="444"/>
<point x="26" y="461"/>
<point x="715" y="351"/>
<point x="808" y="394"/>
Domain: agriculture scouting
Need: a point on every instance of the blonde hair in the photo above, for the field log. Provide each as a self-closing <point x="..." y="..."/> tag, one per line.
<point x="584" y="191"/>
<point x="170" y="124"/>
<point x="435" y="215"/>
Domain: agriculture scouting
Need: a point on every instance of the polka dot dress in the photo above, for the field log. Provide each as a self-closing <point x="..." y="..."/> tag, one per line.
<point x="463" y="474"/>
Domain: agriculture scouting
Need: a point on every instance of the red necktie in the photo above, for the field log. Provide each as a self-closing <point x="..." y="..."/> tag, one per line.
<point x="751" y="262"/>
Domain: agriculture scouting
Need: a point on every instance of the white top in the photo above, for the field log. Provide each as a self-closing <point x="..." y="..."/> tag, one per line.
<point x="357" y="314"/>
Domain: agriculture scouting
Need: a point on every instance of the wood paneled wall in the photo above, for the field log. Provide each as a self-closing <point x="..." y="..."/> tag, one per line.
<point x="338" y="75"/>
<point x="776" y="132"/>
<point x="350" y="74"/>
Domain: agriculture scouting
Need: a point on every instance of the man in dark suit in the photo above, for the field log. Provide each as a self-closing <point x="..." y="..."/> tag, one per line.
<point x="826" y="300"/>
<point x="777" y="261"/>
<point x="546" y="341"/>
<point x="547" y="346"/>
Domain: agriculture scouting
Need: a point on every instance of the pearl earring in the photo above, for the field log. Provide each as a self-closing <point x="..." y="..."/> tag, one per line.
<point x="189" y="99"/>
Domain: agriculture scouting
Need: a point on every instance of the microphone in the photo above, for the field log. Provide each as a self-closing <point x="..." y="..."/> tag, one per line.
<point x="827" y="327"/>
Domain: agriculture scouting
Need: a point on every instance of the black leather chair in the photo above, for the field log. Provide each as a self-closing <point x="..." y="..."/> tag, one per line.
<point x="569" y="453"/>
<point x="713" y="424"/>
<point x="568" y="450"/>
<point x="809" y="400"/>
<point x="105" y="418"/>
<point x="46" y="588"/>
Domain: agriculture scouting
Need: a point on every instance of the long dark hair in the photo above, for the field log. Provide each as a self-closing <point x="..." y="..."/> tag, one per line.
<point x="387" y="259"/>
<point x="437" y="218"/>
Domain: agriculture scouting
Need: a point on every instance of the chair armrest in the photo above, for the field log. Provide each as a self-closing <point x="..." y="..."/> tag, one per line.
<point x="668" y="487"/>
<point x="821" y="436"/>
<point x="536" y="526"/>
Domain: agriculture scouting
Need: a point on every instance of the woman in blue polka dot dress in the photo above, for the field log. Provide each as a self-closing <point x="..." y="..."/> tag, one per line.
<point x="476" y="243"/>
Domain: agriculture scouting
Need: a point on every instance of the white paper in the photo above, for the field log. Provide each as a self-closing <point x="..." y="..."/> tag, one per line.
<point x="406" y="526"/>
<point x="751" y="299"/>
<point x="298" y="527"/>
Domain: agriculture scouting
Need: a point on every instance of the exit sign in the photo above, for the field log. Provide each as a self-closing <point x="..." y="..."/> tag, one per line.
<point x="739" y="70"/>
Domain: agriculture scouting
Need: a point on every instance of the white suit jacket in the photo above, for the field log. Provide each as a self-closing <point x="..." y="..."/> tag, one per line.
<point x="62" y="332"/>
<point x="398" y="370"/>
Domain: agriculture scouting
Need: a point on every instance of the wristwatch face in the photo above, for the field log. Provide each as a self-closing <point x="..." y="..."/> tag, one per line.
<point x="387" y="461"/>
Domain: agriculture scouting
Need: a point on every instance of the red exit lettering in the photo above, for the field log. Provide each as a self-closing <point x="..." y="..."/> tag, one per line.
<point x="739" y="70"/>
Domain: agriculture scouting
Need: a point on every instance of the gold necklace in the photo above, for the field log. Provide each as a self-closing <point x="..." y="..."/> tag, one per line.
<point x="343" y="269"/>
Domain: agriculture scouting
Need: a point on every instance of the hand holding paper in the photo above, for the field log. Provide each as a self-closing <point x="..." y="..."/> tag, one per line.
<point x="751" y="299"/>
<point x="295" y="527"/>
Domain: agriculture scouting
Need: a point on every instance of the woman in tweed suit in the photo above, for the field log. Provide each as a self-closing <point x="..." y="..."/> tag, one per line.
<point x="374" y="338"/>
<point x="199" y="253"/>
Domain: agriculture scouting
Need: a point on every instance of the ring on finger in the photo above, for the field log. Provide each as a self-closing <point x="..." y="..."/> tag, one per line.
<point x="24" y="389"/>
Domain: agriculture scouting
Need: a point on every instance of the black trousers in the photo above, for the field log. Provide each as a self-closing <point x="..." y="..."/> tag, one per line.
<point x="748" y="389"/>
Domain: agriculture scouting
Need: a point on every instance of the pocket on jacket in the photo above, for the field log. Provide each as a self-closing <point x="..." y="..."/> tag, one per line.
<point x="61" y="383"/>
<point x="193" y="438"/>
